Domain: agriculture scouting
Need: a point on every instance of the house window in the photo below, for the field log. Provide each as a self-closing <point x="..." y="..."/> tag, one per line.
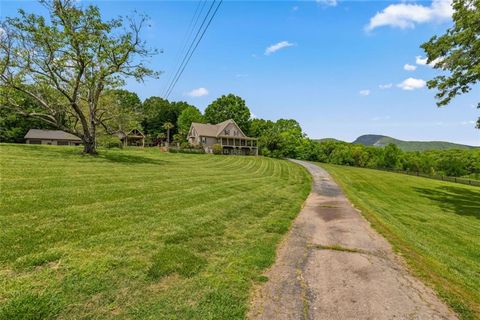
<point x="227" y="132"/>
<point x="204" y="140"/>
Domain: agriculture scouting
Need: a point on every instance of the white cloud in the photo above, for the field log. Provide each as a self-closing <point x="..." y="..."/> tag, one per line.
<point x="409" y="67"/>
<point x="365" y="92"/>
<point x="464" y="123"/>
<point x="385" y="86"/>
<point x="420" y="60"/>
<point x="199" y="92"/>
<point x="295" y="8"/>
<point x="423" y="61"/>
<point x="329" y="3"/>
<point x="241" y="75"/>
<point x="412" y="84"/>
<point x="275" y="47"/>
<point x="380" y="118"/>
<point x="406" y="15"/>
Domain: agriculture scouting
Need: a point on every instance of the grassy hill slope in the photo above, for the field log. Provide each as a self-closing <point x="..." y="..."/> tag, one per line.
<point x="381" y="141"/>
<point x="138" y="234"/>
<point x="435" y="225"/>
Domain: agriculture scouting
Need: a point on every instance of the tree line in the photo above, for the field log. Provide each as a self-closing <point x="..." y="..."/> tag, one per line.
<point x="169" y="121"/>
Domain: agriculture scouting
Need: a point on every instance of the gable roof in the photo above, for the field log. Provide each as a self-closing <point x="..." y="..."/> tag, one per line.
<point x="135" y="133"/>
<point x="213" y="130"/>
<point x="205" y="129"/>
<point x="50" y="135"/>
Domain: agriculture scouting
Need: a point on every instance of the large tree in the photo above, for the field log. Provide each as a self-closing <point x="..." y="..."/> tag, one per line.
<point x="67" y="61"/>
<point x="184" y="121"/>
<point x="14" y="126"/>
<point x="259" y="126"/>
<point x="458" y="52"/>
<point x="158" y="111"/>
<point x="229" y="107"/>
<point x="124" y="109"/>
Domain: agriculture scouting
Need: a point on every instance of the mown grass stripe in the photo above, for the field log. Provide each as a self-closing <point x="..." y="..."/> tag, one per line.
<point x="87" y="230"/>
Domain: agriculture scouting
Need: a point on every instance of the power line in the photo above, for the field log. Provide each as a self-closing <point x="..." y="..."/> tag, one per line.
<point x="185" y="40"/>
<point x="185" y="57"/>
<point x="191" y="51"/>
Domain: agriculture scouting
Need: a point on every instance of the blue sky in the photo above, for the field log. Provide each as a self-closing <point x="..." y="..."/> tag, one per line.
<point x="326" y="63"/>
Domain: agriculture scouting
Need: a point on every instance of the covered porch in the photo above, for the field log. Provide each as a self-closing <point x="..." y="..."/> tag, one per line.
<point x="238" y="145"/>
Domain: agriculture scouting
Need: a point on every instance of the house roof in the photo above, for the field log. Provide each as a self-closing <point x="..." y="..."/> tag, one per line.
<point x="212" y="130"/>
<point x="50" y="135"/>
<point x="205" y="129"/>
<point x="135" y="133"/>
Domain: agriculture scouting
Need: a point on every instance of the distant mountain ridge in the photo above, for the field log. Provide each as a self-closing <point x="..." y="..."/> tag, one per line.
<point x="381" y="141"/>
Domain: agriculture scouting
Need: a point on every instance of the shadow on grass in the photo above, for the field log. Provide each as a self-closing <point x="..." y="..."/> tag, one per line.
<point x="461" y="201"/>
<point x="75" y="153"/>
<point x="119" y="157"/>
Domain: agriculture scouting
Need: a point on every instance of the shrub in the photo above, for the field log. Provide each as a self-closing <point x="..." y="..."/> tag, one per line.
<point x="217" y="149"/>
<point x="189" y="150"/>
<point x="109" y="141"/>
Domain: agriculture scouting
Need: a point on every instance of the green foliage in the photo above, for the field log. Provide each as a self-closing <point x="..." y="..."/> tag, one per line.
<point x="123" y="109"/>
<point x="457" y="51"/>
<point x="175" y="259"/>
<point x="258" y="127"/>
<point x="77" y="56"/>
<point x="109" y="141"/>
<point x="133" y="210"/>
<point x="454" y="163"/>
<point x="229" y="107"/>
<point x="189" y="114"/>
<point x="280" y="139"/>
<point x="217" y="149"/>
<point x="188" y="150"/>
<point x="157" y="112"/>
<point x="391" y="156"/>
<point x="433" y="224"/>
<point x="14" y="125"/>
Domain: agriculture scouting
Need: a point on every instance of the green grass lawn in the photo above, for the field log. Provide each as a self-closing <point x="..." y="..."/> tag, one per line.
<point x="138" y="233"/>
<point x="435" y="225"/>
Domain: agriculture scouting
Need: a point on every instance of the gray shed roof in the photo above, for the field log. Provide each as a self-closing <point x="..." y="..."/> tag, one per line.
<point x="50" y="135"/>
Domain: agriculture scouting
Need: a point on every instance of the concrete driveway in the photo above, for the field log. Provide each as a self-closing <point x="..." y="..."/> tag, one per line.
<point x="333" y="265"/>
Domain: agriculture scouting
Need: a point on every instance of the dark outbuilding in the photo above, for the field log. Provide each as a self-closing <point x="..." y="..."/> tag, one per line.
<point x="51" y="137"/>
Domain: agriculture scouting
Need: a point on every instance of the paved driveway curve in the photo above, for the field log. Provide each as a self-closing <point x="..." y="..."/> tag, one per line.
<point x="333" y="265"/>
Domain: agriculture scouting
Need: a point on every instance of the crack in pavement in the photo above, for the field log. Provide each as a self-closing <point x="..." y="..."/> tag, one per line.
<point x="333" y="265"/>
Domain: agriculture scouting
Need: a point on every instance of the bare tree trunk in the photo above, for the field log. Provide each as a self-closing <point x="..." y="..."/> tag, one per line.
<point x="89" y="147"/>
<point x="89" y="144"/>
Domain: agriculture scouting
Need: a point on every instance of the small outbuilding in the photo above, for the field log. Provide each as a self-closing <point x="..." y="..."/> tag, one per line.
<point x="133" y="138"/>
<point x="51" y="137"/>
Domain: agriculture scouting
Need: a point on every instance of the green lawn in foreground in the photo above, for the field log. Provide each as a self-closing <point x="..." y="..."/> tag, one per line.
<point x="434" y="224"/>
<point x="138" y="233"/>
